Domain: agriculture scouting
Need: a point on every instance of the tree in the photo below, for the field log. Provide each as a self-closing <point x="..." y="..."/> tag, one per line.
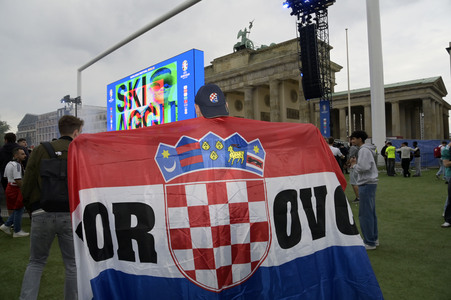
<point x="4" y="127"/>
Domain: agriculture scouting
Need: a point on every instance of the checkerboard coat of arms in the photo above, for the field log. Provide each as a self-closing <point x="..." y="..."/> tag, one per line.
<point x="218" y="231"/>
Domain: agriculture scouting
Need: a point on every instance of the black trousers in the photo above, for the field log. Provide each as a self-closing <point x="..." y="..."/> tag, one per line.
<point x="448" y="207"/>
<point x="405" y="164"/>
<point x="391" y="166"/>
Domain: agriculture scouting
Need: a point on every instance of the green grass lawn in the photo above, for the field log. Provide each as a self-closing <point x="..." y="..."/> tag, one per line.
<point x="409" y="263"/>
<point x="413" y="248"/>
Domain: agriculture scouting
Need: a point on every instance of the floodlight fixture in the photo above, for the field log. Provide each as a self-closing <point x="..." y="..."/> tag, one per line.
<point x="306" y="7"/>
<point x="68" y="99"/>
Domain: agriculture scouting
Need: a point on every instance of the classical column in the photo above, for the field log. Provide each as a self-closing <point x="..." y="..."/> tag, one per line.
<point x="367" y="120"/>
<point x="409" y="122"/>
<point x="304" y="106"/>
<point x="342" y="122"/>
<point x="445" y="124"/>
<point x="283" y="97"/>
<point x="248" y="103"/>
<point x="395" y="119"/>
<point x="438" y="109"/>
<point x="435" y="114"/>
<point x="274" y="101"/>
<point x="256" y="104"/>
<point x="428" y="119"/>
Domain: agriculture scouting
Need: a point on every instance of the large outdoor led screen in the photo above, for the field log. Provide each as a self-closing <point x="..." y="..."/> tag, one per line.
<point x="160" y="94"/>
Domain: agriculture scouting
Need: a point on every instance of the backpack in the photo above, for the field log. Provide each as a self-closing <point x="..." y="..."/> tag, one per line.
<point x="54" y="191"/>
<point x="438" y="152"/>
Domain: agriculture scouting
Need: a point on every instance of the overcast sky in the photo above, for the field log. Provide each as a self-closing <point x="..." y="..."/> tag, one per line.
<point x="44" y="42"/>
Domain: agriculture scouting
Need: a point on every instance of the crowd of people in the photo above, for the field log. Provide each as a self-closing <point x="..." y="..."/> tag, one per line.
<point x="407" y="155"/>
<point x="359" y="159"/>
<point x="21" y="182"/>
<point x="13" y="159"/>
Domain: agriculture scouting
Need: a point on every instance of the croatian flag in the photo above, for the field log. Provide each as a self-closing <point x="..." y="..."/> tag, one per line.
<point x="223" y="208"/>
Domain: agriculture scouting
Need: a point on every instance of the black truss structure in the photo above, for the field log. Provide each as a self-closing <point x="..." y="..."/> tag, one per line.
<point x="315" y="12"/>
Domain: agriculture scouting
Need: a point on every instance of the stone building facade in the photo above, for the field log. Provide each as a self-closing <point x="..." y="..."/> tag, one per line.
<point x="413" y="110"/>
<point x="44" y="127"/>
<point x="265" y="85"/>
<point x="27" y="128"/>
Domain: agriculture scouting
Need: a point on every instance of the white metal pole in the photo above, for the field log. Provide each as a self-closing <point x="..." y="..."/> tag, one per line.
<point x="376" y="74"/>
<point x="349" y="87"/>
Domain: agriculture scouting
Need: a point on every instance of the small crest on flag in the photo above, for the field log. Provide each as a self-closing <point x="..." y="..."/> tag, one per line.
<point x="210" y="152"/>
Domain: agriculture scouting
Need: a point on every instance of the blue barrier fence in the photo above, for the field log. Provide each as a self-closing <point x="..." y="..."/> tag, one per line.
<point x="426" y="150"/>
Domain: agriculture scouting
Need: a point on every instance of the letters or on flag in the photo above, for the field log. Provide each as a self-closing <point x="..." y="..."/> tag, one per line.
<point x="223" y="208"/>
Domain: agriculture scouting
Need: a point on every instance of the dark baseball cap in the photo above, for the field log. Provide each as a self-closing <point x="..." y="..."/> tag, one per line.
<point x="211" y="101"/>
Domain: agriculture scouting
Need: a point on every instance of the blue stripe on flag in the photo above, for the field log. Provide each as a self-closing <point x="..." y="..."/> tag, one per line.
<point x="332" y="273"/>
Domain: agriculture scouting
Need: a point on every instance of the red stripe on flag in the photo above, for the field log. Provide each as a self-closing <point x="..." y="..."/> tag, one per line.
<point x="191" y="160"/>
<point x="187" y="147"/>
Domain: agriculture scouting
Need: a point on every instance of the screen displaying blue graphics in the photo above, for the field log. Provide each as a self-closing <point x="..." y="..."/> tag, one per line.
<point x="159" y="94"/>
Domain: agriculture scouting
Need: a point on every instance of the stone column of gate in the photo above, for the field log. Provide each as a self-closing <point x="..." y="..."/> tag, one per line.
<point x="438" y="109"/>
<point x="429" y="119"/>
<point x="342" y="122"/>
<point x="367" y="120"/>
<point x="248" y="103"/>
<point x="304" y="106"/>
<point x="274" y="100"/>
<point x="445" y="123"/>
<point x="395" y="119"/>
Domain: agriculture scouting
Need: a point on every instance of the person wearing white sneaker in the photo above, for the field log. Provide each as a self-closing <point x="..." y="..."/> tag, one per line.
<point x="14" y="201"/>
<point x="368" y="247"/>
<point x="20" y="234"/>
<point x="5" y="229"/>
<point x="367" y="178"/>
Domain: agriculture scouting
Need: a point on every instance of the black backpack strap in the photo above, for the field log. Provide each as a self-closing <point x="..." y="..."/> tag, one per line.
<point x="49" y="149"/>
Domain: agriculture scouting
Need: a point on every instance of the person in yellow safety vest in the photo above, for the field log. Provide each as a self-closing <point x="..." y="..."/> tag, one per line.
<point x="390" y="151"/>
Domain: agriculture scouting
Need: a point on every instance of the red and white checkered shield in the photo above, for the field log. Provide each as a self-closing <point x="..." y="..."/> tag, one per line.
<point x="218" y="232"/>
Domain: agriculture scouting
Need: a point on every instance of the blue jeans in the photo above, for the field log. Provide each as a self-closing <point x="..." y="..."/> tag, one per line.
<point x="44" y="227"/>
<point x="16" y="219"/>
<point x="441" y="169"/>
<point x="367" y="213"/>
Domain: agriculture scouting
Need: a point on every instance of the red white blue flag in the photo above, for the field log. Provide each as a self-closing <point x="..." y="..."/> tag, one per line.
<point x="223" y="208"/>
